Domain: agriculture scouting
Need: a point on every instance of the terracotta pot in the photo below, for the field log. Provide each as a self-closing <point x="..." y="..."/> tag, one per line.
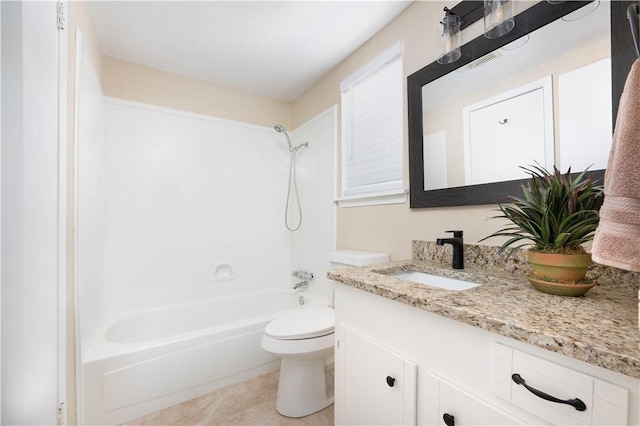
<point x="560" y="267"/>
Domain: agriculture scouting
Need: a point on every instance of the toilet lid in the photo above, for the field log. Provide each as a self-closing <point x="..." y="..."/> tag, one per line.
<point x="302" y="323"/>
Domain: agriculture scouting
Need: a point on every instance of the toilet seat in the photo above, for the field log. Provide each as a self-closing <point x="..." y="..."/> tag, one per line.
<point x="302" y="323"/>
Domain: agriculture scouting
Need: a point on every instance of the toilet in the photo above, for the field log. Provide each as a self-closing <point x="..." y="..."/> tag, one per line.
<point x="304" y="338"/>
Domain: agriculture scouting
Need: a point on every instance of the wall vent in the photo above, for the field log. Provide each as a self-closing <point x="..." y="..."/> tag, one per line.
<point x="481" y="61"/>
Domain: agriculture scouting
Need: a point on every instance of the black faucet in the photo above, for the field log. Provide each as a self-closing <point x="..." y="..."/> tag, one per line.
<point x="458" y="248"/>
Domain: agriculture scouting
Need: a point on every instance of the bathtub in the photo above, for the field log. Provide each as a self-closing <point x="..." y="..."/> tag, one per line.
<point x="149" y="360"/>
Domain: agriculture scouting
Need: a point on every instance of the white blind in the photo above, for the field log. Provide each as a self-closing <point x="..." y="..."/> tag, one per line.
<point x="372" y="120"/>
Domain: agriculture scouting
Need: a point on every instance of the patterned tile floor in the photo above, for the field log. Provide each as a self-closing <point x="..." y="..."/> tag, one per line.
<point x="248" y="403"/>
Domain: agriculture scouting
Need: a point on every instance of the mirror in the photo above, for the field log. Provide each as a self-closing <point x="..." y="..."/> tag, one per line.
<point x="447" y="105"/>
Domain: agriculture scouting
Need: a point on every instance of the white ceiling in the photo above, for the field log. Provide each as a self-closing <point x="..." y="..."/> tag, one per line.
<point x="276" y="49"/>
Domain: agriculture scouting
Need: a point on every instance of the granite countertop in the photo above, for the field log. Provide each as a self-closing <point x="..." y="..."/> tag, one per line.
<point x="600" y="328"/>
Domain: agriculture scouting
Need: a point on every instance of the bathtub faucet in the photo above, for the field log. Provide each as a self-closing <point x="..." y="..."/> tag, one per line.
<point x="304" y="276"/>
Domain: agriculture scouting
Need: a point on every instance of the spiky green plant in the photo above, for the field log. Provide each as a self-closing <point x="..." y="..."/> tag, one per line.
<point x="556" y="214"/>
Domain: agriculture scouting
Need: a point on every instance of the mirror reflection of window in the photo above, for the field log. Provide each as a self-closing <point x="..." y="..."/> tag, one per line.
<point x="584" y="97"/>
<point x="435" y="161"/>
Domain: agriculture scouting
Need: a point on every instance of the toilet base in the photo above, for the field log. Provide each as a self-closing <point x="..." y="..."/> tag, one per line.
<point x="302" y="388"/>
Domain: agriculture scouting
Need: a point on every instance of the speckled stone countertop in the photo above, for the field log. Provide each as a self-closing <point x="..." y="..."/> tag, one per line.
<point x="600" y="328"/>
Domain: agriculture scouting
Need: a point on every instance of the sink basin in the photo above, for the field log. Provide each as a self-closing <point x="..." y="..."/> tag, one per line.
<point x="434" y="280"/>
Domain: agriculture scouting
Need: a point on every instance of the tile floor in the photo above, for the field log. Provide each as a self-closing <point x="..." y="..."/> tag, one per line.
<point x="248" y="403"/>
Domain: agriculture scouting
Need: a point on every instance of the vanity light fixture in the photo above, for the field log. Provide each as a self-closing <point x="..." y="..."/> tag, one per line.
<point x="498" y="18"/>
<point x="516" y="44"/>
<point x="449" y="39"/>
<point x="582" y="12"/>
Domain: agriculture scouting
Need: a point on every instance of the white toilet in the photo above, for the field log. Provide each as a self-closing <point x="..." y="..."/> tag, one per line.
<point x="304" y="339"/>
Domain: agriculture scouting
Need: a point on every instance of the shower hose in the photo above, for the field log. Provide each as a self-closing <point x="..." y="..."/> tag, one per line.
<point x="292" y="183"/>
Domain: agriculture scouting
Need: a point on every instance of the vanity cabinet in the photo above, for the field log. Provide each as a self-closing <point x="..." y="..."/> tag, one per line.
<point x="449" y="405"/>
<point x="463" y="371"/>
<point x="530" y="382"/>
<point x="380" y="387"/>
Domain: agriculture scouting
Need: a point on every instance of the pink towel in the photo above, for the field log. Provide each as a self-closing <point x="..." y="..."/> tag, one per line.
<point x="617" y="239"/>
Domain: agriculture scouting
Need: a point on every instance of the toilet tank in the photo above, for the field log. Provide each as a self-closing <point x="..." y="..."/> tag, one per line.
<point x="350" y="258"/>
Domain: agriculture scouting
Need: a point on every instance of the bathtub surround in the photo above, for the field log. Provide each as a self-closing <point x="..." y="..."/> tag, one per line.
<point x="600" y="328"/>
<point x="309" y="247"/>
<point x="183" y="194"/>
<point x="156" y="358"/>
<point x="90" y="200"/>
<point x="177" y="202"/>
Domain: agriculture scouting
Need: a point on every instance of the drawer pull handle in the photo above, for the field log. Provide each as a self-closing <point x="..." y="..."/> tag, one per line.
<point x="575" y="403"/>
<point x="391" y="381"/>
<point x="449" y="420"/>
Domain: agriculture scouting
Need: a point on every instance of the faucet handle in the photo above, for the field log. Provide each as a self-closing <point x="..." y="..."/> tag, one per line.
<point x="456" y="233"/>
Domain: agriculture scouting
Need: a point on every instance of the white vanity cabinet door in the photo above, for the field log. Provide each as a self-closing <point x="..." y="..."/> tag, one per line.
<point x="373" y="385"/>
<point x="462" y="408"/>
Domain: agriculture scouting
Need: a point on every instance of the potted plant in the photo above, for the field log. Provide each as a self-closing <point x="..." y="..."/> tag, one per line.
<point x="556" y="215"/>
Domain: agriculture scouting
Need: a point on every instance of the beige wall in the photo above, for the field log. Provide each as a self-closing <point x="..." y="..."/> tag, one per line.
<point x="391" y="228"/>
<point x="134" y="82"/>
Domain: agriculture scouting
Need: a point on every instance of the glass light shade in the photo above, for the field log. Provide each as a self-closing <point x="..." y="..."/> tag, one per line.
<point x="498" y="18"/>
<point x="582" y="12"/>
<point x="449" y="39"/>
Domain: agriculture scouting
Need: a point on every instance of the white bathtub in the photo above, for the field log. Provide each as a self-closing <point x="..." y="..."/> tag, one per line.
<point x="155" y="358"/>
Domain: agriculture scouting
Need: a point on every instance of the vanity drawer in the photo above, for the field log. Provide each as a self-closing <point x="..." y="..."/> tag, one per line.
<point x="604" y="403"/>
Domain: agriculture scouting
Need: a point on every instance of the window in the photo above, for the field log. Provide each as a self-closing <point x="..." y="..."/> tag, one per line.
<point x="372" y="129"/>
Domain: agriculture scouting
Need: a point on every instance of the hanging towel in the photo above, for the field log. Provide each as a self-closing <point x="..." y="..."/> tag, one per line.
<point x="617" y="238"/>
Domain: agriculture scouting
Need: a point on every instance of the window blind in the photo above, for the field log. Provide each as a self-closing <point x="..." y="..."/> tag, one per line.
<point x="372" y="127"/>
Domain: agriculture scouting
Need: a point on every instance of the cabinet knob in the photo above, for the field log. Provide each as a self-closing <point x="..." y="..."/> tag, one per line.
<point x="391" y="381"/>
<point x="449" y="420"/>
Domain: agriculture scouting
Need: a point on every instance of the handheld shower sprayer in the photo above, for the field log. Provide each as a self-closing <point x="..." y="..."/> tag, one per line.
<point x="280" y="129"/>
<point x="292" y="178"/>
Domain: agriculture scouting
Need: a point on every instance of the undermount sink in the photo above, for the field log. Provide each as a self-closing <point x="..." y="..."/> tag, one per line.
<point x="434" y="280"/>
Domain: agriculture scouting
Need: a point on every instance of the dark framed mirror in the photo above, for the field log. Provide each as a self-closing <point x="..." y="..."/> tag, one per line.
<point x="421" y="92"/>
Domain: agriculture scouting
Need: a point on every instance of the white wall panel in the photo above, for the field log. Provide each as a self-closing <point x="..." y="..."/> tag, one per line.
<point x="311" y="244"/>
<point x="89" y="201"/>
<point x="184" y="192"/>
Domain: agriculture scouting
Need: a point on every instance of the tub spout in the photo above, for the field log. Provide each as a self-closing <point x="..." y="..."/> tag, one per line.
<point x="301" y="284"/>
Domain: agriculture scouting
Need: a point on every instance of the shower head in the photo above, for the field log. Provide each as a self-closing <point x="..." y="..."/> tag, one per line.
<point x="280" y="129"/>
